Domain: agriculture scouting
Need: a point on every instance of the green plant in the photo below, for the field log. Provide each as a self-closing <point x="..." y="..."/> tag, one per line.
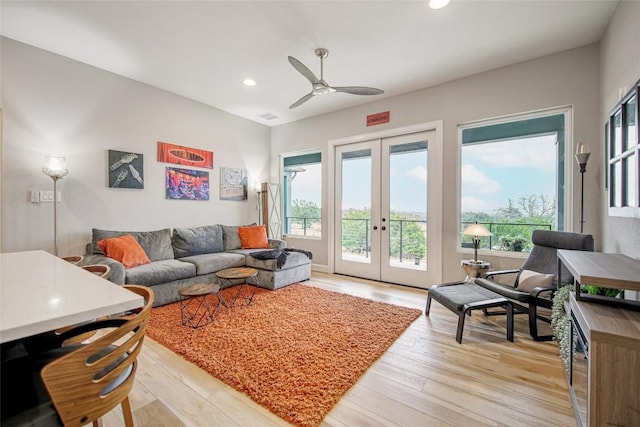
<point x="561" y="325"/>
<point x="606" y="292"/>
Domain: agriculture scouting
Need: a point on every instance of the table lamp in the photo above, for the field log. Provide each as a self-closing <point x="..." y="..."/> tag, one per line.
<point x="476" y="230"/>
<point x="55" y="167"/>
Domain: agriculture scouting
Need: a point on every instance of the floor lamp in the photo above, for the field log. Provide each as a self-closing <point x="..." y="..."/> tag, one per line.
<point x="582" y="157"/>
<point x="56" y="168"/>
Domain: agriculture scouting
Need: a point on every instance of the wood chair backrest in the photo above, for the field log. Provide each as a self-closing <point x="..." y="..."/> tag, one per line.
<point x="92" y="380"/>
<point x="101" y="270"/>
<point x="73" y="259"/>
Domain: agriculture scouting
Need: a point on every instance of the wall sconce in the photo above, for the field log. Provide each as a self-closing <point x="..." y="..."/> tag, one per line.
<point x="55" y="167"/>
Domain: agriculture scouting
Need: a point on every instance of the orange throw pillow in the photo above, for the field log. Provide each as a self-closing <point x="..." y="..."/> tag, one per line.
<point x="254" y="237"/>
<point x="125" y="249"/>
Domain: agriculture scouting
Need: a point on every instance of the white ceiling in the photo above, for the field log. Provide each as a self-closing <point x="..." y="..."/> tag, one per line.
<point x="203" y="50"/>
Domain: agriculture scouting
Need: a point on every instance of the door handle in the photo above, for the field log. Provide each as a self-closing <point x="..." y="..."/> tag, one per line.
<point x="375" y="227"/>
<point x="383" y="228"/>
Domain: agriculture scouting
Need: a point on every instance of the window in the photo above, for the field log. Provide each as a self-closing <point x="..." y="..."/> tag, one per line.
<point x="623" y="156"/>
<point x="512" y="178"/>
<point x="302" y="194"/>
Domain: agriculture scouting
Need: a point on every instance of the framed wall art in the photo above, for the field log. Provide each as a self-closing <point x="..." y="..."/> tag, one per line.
<point x="126" y="170"/>
<point x="187" y="184"/>
<point x="233" y="184"/>
<point x="187" y="156"/>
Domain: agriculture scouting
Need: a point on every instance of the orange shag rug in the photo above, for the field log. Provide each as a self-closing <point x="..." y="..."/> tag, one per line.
<point x="295" y="351"/>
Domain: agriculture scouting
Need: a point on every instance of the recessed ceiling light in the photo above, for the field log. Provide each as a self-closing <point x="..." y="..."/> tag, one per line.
<point x="249" y="82"/>
<point x="268" y="116"/>
<point x="438" y="4"/>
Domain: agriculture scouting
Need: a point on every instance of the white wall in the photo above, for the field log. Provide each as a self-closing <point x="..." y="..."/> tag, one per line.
<point x="620" y="70"/>
<point x="54" y="105"/>
<point x="567" y="78"/>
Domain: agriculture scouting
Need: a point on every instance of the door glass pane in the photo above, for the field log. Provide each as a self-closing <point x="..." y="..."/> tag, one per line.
<point x="408" y="205"/>
<point x="356" y="206"/>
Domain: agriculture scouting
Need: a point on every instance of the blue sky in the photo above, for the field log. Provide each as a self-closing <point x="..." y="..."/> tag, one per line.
<point x="491" y="174"/>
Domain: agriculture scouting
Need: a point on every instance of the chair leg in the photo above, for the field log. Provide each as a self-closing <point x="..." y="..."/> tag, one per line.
<point x="428" y="307"/>
<point x="126" y="412"/>
<point x="509" y="309"/>
<point x="533" y="325"/>
<point x="461" y="317"/>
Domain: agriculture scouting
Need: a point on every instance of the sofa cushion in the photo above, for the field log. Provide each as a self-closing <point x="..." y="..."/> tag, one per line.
<point x="231" y="237"/>
<point x="254" y="237"/>
<point x="197" y="240"/>
<point x="125" y="249"/>
<point x="210" y="263"/>
<point x="156" y="244"/>
<point x="293" y="259"/>
<point x="160" y="272"/>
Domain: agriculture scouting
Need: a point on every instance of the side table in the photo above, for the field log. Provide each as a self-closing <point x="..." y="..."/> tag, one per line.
<point x="474" y="269"/>
<point x="240" y="277"/>
<point x="195" y="309"/>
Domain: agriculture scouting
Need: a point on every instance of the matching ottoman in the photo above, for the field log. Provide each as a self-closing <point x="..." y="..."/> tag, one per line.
<point x="462" y="297"/>
<point x="273" y="274"/>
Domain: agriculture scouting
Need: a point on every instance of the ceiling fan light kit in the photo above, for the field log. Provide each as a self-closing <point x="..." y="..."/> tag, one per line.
<point x="320" y="86"/>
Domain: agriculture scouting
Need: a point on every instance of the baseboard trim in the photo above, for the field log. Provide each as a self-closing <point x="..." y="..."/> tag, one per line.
<point x="320" y="268"/>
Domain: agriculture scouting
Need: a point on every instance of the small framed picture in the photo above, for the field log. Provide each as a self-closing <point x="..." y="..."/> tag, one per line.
<point x="126" y="170"/>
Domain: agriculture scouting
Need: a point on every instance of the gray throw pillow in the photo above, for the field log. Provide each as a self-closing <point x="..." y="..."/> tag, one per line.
<point x="198" y="240"/>
<point x="156" y="244"/>
<point x="232" y="237"/>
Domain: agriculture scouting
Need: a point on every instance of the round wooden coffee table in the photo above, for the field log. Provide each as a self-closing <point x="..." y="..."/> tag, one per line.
<point x="195" y="308"/>
<point x="241" y="277"/>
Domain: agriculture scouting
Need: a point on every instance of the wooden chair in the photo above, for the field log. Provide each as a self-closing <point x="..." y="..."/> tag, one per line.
<point x="99" y="270"/>
<point x="90" y="379"/>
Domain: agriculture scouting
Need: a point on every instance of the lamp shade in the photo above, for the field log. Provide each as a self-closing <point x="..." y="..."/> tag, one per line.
<point x="55" y="166"/>
<point x="476" y="230"/>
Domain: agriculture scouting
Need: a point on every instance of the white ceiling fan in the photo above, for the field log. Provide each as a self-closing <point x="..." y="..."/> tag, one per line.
<point x="320" y="87"/>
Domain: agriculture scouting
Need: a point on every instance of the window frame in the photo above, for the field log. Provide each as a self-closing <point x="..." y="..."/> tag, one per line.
<point x="564" y="177"/>
<point x="613" y="158"/>
<point x="285" y="190"/>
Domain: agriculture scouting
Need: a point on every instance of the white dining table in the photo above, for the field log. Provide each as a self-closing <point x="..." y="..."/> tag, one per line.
<point x="40" y="292"/>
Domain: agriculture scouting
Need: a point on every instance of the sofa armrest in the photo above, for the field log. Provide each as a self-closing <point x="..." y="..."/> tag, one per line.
<point x="277" y="244"/>
<point x="116" y="272"/>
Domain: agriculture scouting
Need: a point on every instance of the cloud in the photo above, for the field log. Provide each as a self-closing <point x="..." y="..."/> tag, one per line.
<point x="537" y="152"/>
<point x="475" y="181"/>
<point x="418" y="172"/>
<point x="472" y="204"/>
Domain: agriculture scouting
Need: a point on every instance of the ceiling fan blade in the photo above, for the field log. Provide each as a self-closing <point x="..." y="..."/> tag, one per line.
<point x="302" y="69"/>
<point x="301" y="101"/>
<point x="359" y="90"/>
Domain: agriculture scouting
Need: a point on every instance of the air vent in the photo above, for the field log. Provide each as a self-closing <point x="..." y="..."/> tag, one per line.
<point x="268" y="116"/>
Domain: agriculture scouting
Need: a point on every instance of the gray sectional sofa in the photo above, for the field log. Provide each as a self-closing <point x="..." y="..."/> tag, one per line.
<point x="193" y="255"/>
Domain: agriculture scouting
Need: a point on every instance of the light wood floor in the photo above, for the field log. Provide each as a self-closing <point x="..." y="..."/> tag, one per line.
<point x="425" y="379"/>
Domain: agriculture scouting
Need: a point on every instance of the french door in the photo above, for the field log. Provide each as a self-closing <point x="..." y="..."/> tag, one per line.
<point x="387" y="222"/>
